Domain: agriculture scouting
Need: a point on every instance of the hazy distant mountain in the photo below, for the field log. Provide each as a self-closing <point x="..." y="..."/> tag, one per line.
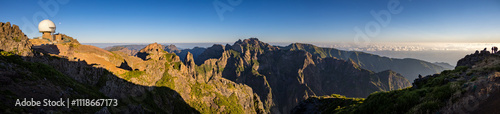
<point x="130" y="47"/>
<point x="172" y="49"/>
<point x="446" y="66"/>
<point x="409" y="68"/>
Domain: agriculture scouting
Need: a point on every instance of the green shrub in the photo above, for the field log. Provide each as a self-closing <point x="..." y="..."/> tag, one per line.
<point x="234" y="53"/>
<point x="461" y="69"/>
<point x="201" y="89"/>
<point x="230" y="104"/>
<point x="167" y="80"/>
<point x="177" y="65"/>
<point x="202" y="69"/>
<point x="132" y="74"/>
<point x="169" y="57"/>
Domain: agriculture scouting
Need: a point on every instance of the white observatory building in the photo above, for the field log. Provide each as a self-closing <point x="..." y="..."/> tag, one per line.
<point x="48" y="28"/>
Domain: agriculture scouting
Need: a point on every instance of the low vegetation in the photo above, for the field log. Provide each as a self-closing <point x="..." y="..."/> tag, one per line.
<point x="427" y="97"/>
<point x="167" y="80"/>
<point x="230" y="104"/>
<point x="132" y="74"/>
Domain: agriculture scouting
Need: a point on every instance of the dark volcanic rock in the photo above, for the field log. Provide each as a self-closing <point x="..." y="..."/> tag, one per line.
<point x="212" y="52"/>
<point x="472" y="59"/>
<point x="124" y="65"/>
<point x="196" y="51"/>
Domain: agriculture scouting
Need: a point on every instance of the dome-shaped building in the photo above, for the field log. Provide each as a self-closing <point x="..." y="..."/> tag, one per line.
<point x="47" y="27"/>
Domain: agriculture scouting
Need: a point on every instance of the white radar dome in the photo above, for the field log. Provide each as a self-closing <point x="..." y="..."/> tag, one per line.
<point x="47" y="26"/>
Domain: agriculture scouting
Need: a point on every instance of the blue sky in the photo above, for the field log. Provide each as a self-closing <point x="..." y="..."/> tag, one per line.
<point x="309" y="21"/>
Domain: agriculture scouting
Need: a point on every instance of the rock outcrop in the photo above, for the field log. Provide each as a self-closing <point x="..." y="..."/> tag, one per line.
<point x="472" y="59"/>
<point x="214" y="52"/>
<point x="151" y="49"/>
<point x="12" y="39"/>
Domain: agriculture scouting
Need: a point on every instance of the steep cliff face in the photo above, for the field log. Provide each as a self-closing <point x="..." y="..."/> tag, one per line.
<point x="472" y="87"/>
<point x="282" y="78"/>
<point x="212" y="52"/>
<point x="196" y="51"/>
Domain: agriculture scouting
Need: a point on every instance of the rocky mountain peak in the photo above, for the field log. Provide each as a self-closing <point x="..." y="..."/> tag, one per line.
<point x="189" y="62"/>
<point x="12" y="39"/>
<point x="153" y="49"/>
<point x="250" y="41"/>
<point x="252" y="44"/>
<point x="172" y="49"/>
<point x="472" y="59"/>
<point x="300" y="46"/>
<point x="212" y="52"/>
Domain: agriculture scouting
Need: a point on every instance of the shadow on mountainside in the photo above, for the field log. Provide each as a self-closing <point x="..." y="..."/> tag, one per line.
<point x="42" y="77"/>
<point x="52" y="49"/>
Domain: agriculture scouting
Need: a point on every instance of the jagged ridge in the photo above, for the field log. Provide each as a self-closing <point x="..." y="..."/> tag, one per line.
<point x="409" y="68"/>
